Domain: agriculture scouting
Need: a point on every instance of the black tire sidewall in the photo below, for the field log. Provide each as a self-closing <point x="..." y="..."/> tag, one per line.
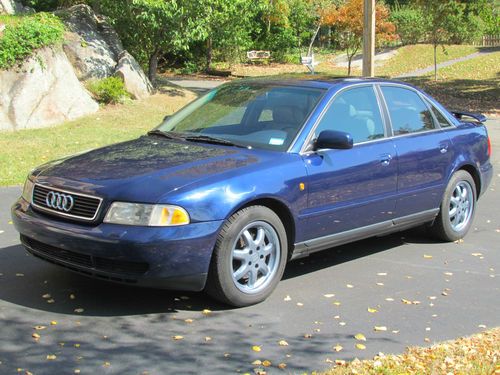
<point x="222" y="266"/>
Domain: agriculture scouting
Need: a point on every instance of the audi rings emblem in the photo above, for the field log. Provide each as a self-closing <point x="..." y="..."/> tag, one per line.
<point x="59" y="201"/>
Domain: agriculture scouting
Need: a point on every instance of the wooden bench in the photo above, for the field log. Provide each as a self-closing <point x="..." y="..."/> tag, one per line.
<point x="254" y="56"/>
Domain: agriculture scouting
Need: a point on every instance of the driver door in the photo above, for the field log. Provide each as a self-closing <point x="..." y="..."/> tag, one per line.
<point x="354" y="188"/>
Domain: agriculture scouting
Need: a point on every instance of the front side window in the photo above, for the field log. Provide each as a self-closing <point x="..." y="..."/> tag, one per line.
<point x="354" y="111"/>
<point x="408" y="112"/>
<point x="259" y="115"/>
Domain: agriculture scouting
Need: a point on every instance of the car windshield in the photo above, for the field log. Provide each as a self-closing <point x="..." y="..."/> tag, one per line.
<point x="258" y="115"/>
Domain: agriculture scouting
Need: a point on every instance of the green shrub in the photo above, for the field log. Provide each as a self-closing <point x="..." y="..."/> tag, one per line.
<point x="108" y="90"/>
<point x="21" y="38"/>
<point x="410" y="23"/>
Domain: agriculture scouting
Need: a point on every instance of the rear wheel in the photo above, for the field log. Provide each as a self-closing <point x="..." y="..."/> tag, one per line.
<point x="249" y="257"/>
<point x="457" y="208"/>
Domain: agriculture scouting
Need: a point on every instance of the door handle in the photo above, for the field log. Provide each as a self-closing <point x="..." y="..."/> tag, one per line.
<point x="385" y="159"/>
<point x="443" y="149"/>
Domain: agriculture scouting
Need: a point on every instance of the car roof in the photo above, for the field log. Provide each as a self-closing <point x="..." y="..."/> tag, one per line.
<point x="321" y="83"/>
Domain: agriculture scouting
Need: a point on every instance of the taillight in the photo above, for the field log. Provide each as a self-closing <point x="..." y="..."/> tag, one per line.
<point x="489" y="147"/>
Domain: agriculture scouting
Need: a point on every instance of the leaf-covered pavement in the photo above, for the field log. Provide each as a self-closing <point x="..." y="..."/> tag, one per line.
<point x="377" y="295"/>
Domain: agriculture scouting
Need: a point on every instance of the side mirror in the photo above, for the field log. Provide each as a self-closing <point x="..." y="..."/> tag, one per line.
<point x="332" y="139"/>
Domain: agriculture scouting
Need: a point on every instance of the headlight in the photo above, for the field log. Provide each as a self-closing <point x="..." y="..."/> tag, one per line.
<point x="150" y="215"/>
<point x="28" y="190"/>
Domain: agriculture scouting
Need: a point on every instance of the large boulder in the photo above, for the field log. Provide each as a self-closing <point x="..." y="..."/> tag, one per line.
<point x="13" y="7"/>
<point x="43" y="92"/>
<point x="132" y="75"/>
<point x="92" y="45"/>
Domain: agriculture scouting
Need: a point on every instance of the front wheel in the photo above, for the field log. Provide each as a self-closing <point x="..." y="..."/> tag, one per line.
<point x="249" y="257"/>
<point x="457" y="208"/>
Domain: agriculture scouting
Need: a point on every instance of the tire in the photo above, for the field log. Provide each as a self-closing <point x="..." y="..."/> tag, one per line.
<point x="457" y="208"/>
<point x="250" y="242"/>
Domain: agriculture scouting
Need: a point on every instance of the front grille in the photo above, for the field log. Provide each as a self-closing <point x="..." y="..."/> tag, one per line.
<point x="55" y="254"/>
<point x="84" y="207"/>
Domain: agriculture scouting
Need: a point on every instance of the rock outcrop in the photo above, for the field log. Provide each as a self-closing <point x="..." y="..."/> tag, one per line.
<point x="92" y="45"/>
<point x="95" y="50"/>
<point x="131" y="73"/>
<point x="44" y="91"/>
<point x="10" y="7"/>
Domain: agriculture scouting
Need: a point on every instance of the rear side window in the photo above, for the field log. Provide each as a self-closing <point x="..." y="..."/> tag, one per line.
<point x="408" y="112"/>
<point x="442" y="121"/>
<point x="355" y="111"/>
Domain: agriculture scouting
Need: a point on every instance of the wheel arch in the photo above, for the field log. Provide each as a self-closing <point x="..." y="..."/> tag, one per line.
<point x="280" y="209"/>
<point x="472" y="170"/>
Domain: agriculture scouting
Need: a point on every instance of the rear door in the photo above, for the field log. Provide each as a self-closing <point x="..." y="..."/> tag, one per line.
<point x="353" y="188"/>
<point x="423" y="150"/>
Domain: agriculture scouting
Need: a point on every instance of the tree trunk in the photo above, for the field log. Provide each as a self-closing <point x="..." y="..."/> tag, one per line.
<point x="153" y="66"/>
<point x="349" y="60"/>
<point x="435" y="63"/>
<point x="309" y="51"/>
<point x="209" y="54"/>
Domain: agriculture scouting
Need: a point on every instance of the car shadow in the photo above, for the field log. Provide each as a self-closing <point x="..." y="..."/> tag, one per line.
<point x="30" y="282"/>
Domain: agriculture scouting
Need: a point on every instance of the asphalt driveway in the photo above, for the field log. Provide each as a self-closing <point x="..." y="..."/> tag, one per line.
<point x="421" y="291"/>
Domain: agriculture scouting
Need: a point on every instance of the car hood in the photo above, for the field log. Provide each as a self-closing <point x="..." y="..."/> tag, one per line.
<point x="142" y="170"/>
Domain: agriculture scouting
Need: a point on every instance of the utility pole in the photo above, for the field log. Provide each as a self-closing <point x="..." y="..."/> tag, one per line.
<point x="369" y="38"/>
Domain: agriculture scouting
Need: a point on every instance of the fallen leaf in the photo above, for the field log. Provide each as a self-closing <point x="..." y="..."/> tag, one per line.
<point x="106" y="364"/>
<point x="53" y="323"/>
<point x="444" y="293"/>
<point x="427" y="339"/>
<point x="46" y="296"/>
<point x="360" y="337"/>
<point x="282" y="343"/>
<point x="448" y="273"/>
<point x="380" y="284"/>
<point x="477" y="254"/>
<point x="380" y="328"/>
<point x="257" y="362"/>
<point x="188" y="320"/>
<point x="178" y="337"/>
<point x="287" y="298"/>
<point x="256" y="348"/>
<point x="79" y="310"/>
<point x="282" y="366"/>
<point x="51" y="357"/>
<point x="208" y="338"/>
<point x="300" y="304"/>
<point x="481" y="326"/>
<point x="339" y="362"/>
<point x="72" y="296"/>
<point x="338" y="348"/>
<point x="360" y="346"/>
<point x="350" y="286"/>
<point x="427" y="256"/>
<point x="389" y="299"/>
<point x="308" y="336"/>
<point x="405" y="301"/>
<point x="371" y="310"/>
<point x="382" y="274"/>
<point x="432" y="297"/>
<point x="342" y="323"/>
<point x="77" y="345"/>
<point x="337" y="303"/>
<point x="51" y="300"/>
<point x="266" y="363"/>
<point x="328" y="295"/>
<point x="39" y="328"/>
<point x="36" y="336"/>
<point x="206" y="312"/>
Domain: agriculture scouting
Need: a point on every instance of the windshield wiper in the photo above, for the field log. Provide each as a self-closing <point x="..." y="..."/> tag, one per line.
<point x="170" y="135"/>
<point x="212" y="140"/>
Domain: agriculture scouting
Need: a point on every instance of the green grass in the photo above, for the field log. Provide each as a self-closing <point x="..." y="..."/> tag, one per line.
<point x="23" y="150"/>
<point x="410" y="58"/>
<point x="472" y="85"/>
<point x="475" y="355"/>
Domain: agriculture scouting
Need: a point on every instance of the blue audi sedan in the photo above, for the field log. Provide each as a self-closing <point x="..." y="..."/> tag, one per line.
<point x="256" y="173"/>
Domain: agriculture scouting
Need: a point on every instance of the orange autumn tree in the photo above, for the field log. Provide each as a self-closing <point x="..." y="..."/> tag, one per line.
<point x="347" y="20"/>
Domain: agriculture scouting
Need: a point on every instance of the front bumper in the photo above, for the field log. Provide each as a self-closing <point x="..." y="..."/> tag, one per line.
<point x="168" y="257"/>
